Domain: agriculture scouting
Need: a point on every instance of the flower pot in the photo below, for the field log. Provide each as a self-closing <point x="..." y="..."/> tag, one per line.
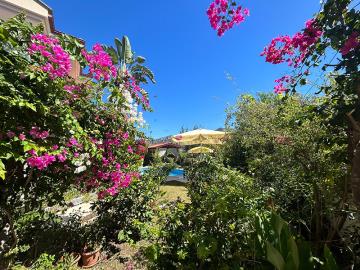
<point x="91" y="258"/>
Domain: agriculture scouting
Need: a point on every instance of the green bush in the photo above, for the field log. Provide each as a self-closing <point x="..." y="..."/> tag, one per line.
<point x="213" y="232"/>
<point x="275" y="244"/>
<point x="124" y="217"/>
<point x="47" y="262"/>
<point x="41" y="232"/>
<point x="294" y="152"/>
<point x="51" y="138"/>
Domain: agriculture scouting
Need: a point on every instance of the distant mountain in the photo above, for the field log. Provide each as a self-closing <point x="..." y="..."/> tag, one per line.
<point x="161" y="140"/>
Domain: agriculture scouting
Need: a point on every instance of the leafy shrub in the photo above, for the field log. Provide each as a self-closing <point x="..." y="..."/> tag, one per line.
<point x="293" y="152"/>
<point x="46" y="262"/>
<point x="41" y="232"/>
<point x="57" y="131"/>
<point x="124" y="217"/>
<point x="213" y="232"/>
<point x="275" y="244"/>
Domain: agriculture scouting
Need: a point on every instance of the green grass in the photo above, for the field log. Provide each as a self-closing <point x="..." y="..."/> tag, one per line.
<point x="173" y="190"/>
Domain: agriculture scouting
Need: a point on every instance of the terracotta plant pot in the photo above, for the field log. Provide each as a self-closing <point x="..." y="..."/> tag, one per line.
<point x="91" y="258"/>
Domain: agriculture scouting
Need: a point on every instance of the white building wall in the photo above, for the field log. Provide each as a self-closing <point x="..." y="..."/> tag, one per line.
<point x="36" y="13"/>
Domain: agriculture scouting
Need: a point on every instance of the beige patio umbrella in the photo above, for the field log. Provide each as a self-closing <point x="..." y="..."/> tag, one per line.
<point x="200" y="149"/>
<point x="199" y="136"/>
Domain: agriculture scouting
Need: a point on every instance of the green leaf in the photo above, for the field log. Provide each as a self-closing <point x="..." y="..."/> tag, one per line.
<point x="28" y="146"/>
<point x="305" y="256"/>
<point x="27" y="105"/>
<point x="121" y="236"/>
<point x="202" y="252"/>
<point x="278" y="223"/>
<point x="152" y="252"/>
<point x="294" y="252"/>
<point x="144" y="71"/>
<point x="303" y="81"/>
<point x="330" y="262"/>
<point x="112" y="52"/>
<point x="2" y="170"/>
<point x="274" y="257"/>
<point x="118" y="45"/>
<point x="126" y="50"/>
<point x="140" y="59"/>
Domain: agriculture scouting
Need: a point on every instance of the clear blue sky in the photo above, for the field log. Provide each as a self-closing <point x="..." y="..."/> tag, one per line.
<point x="190" y="62"/>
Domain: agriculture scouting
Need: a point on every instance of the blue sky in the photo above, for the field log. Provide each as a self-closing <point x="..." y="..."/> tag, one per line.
<point x="189" y="61"/>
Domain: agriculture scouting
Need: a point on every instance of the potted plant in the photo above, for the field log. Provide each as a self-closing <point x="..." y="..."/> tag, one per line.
<point x="91" y="251"/>
<point x="90" y="254"/>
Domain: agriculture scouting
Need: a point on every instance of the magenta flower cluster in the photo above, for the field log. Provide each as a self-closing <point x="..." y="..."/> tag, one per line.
<point x="223" y="15"/>
<point x="57" y="61"/>
<point x="40" y="162"/>
<point x="109" y="170"/>
<point x="73" y="90"/>
<point x="133" y="87"/>
<point x="277" y="50"/>
<point x="351" y="43"/>
<point x="280" y="88"/>
<point x="294" y="49"/>
<point x="73" y="142"/>
<point x="100" y="63"/>
<point x="36" y="133"/>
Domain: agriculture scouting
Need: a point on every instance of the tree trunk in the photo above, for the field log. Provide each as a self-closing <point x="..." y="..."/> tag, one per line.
<point x="354" y="148"/>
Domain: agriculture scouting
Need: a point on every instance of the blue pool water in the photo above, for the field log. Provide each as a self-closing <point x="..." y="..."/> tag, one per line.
<point x="177" y="172"/>
<point x="173" y="172"/>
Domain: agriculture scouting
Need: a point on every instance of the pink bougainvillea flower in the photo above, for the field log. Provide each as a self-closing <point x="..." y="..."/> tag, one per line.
<point x="351" y="43"/>
<point x="125" y="136"/>
<point x="141" y="149"/>
<point x="40" y="162"/>
<point x="72" y="88"/>
<point x="36" y="133"/>
<point x="10" y="134"/>
<point x="32" y="152"/>
<point x="22" y="137"/>
<point x="61" y="157"/>
<point x="280" y="88"/>
<point x="101" y="195"/>
<point x="223" y="15"/>
<point x="56" y="61"/>
<point x="279" y="48"/>
<point x="55" y="147"/>
<point x="246" y="11"/>
<point x="100" y="63"/>
<point x="73" y="142"/>
<point x="294" y="49"/>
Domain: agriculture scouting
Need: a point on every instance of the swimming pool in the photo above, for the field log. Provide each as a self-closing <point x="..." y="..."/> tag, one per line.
<point x="176" y="172"/>
<point x="173" y="173"/>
